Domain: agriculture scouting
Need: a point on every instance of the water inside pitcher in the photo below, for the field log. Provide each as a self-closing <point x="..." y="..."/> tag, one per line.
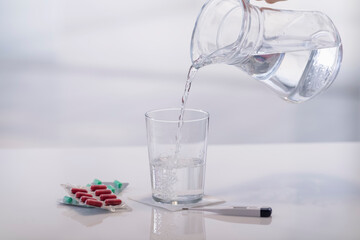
<point x="296" y="53"/>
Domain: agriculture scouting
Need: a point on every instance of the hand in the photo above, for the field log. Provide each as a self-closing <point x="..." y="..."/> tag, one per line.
<point x="272" y="1"/>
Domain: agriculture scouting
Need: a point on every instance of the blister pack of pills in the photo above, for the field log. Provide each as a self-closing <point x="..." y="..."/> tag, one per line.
<point x="98" y="194"/>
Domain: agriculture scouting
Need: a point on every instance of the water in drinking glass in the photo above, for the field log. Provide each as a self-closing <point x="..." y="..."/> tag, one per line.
<point x="182" y="181"/>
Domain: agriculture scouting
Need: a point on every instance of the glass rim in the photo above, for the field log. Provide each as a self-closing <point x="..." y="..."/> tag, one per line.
<point x="243" y="4"/>
<point x="206" y="115"/>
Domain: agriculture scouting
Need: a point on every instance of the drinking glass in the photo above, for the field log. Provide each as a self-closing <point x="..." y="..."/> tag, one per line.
<point x="177" y="154"/>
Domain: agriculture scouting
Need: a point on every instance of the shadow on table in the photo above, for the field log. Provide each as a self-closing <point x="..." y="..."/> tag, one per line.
<point x="190" y="225"/>
<point x="87" y="216"/>
<point x="176" y="225"/>
<point x="305" y="188"/>
<point x="240" y="220"/>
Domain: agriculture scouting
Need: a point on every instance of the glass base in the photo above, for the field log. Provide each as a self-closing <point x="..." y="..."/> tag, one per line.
<point x="180" y="199"/>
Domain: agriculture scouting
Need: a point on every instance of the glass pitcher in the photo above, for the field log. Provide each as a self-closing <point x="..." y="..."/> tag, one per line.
<point x="296" y="53"/>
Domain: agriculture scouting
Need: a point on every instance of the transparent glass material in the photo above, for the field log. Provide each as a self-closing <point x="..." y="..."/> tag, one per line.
<point x="177" y="162"/>
<point x="167" y="225"/>
<point x="296" y="53"/>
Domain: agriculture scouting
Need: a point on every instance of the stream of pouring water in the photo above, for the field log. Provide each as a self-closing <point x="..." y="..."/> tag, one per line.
<point x="190" y="77"/>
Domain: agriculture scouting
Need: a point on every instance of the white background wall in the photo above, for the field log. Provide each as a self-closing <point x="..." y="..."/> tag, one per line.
<point x="82" y="73"/>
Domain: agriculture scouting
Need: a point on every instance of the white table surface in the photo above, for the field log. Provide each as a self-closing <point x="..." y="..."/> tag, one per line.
<point x="314" y="190"/>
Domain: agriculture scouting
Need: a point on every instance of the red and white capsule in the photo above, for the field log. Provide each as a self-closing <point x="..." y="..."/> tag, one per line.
<point x="94" y="203"/>
<point x="84" y="198"/>
<point x="81" y="194"/>
<point x="76" y="190"/>
<point x="103" y="197"/>
<point x="97" y="187"/>
<point x="102" y="191"/>
<point x="113" y="202"/>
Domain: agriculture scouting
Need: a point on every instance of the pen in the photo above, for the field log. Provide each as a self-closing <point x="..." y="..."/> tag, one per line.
<point x="245" y="211"/>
